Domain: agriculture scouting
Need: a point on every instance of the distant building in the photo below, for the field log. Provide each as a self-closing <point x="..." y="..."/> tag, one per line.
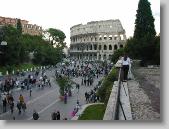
<point x="27" y="28"/>
<point x="96" y="40"/>
<point x="65" y="51"/>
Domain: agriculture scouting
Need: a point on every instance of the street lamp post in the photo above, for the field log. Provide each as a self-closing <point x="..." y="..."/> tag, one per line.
<point x="3" y="43"/>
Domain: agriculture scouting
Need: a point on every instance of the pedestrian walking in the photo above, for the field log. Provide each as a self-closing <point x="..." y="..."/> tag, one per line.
<point x="12" y="107"/>
<point x="82" y="81"/>
<point x="77" y="87"/>
<point x="4" y="103"/>
<point x="54" y="115"/>
<point x="65" y="98"/>
<point x="85" y="81"/>
<point x="30" y="92"/>
<point x="58" y="115"/>
<point x="24" y="106"/>
<point x="87" y="97"/>
<point x="21" y="98"/>
<point x="19" y="106"/>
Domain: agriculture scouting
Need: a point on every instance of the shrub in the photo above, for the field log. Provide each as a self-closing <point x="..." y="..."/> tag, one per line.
<point x="105" y="90"/>
<point x="64" y="83"/>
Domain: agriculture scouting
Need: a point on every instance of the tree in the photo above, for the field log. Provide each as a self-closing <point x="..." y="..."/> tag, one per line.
<point x="19" y="26"/>
<point x="64" y="84"/>
<point x="156" y="58"/>
<point x="19" y="47"/>
<point x="117" y="54"/>
<point x="142" y="45"/>
<point x="132" y="48"/>
<point x="57" y="36"/>
<point x="144" y="23"/>
<point x="12" y="52"/>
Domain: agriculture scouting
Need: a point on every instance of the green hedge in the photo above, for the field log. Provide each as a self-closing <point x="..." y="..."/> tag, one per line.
<point x="105" y="90"/>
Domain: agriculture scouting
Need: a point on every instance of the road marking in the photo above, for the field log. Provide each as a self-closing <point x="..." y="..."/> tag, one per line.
<point x="31" y="101"/>
<point x="41" y="111"/>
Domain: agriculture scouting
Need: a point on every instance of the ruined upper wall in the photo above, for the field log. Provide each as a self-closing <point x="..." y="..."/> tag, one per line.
<point x="106" y="26"/>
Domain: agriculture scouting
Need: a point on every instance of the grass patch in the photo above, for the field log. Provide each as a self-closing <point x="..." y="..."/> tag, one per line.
<point x="93" y="112"/>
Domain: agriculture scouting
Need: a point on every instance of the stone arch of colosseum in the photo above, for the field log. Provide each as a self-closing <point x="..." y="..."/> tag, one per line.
<point x="96" y="40"/>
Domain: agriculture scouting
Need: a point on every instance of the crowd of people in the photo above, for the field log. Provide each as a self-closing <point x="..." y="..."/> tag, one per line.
<point x="21" y="81"/>
<point x="87" y="72"/>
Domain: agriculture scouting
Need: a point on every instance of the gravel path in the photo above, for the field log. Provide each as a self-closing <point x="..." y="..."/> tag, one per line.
<point x="144" y="92"/>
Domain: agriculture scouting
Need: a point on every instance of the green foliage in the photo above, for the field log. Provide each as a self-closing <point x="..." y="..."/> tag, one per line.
<point x="20" y="46"/>
<point x="144" y="23"/>
<point x="58" y="36"/>
<point x="19" y="26"/>
<point x="12" y="53"/>
<point x="117" y="54"/>
<point x="148" y="52"/>
<point x="93" y="112"/>
<point x="105" y="90"/>
<point x="144" y="45"/>
<point x="64" y="83"/>
<point x="156" y="57"/>
<point x="144" y="33"/>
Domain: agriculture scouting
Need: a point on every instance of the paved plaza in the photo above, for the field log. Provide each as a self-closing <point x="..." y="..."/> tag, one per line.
<point x="46" y="100"/>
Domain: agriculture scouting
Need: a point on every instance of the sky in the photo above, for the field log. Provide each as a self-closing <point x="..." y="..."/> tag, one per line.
<point x="63" y="14"/>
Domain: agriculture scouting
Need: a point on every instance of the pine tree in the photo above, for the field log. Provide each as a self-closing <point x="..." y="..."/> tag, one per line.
<point x="144" y="23"/>
<point x="144" y="33"/>
<point x="19" y="26"/>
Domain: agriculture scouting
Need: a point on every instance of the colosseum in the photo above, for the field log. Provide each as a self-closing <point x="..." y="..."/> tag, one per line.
<point x="96" y="40"/>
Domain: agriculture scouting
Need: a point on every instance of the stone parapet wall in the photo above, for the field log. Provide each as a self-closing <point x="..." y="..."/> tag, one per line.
<point x="110" y="113"/>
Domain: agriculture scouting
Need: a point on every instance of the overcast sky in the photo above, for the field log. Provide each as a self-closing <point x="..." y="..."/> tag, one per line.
<point x="62" y="14"/>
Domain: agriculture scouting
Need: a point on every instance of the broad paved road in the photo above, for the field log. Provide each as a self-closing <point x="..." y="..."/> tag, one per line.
<point x="46" y="100"/>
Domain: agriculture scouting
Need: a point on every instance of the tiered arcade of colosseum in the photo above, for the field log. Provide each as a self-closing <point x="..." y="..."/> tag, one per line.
<point x="96" y="40"/>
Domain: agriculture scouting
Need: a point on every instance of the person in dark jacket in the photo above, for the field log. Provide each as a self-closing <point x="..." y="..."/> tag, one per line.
<point x="19" y="106"/>
<point x="54" y="115"/>
<point x="4" y="104"/>
<point x="58" y="115"/>
<point x="11" y="106"/>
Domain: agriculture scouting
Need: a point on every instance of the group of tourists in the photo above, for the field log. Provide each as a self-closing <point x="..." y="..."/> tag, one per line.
<point x="87" y="72"/>
<point x="23" y="82"/>
<point x="8" y="100"/>
<point x="54" y="115"/>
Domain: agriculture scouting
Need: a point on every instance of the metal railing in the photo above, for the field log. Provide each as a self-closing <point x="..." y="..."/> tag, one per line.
<point x="118" y="103"/>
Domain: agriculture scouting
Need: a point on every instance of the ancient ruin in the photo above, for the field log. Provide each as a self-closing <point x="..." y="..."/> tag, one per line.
<point x="96" y="40"/>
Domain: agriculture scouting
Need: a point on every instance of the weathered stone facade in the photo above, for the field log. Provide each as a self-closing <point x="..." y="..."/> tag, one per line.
<point x="96" y="40"/>
<point x="31" y="29"/>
